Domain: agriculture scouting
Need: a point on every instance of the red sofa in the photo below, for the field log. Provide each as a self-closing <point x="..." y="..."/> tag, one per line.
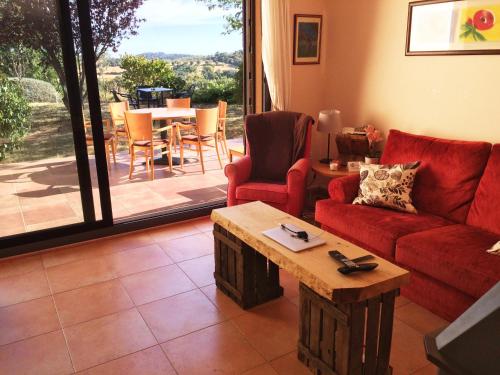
<point x="457" y="195"/>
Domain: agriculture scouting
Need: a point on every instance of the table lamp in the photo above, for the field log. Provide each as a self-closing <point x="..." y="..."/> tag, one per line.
<point x="328" y="122"/>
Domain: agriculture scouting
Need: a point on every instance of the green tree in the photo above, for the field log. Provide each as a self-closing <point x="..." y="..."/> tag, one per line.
<point x="35" y="24"/>
<point x="140" y="71"/>
<point x="234" y="20"/>
<point x="14" y="115"/>
<point x="21" y="62"/>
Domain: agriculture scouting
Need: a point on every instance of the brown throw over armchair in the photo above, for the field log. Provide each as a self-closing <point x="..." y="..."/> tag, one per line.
<point x="276" y="164"/>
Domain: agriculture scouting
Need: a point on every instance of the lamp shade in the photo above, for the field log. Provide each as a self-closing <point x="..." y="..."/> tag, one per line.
<point x="329" y="120"/>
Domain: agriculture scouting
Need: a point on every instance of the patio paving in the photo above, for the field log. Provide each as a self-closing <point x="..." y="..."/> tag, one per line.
<point x="45" y="194"/>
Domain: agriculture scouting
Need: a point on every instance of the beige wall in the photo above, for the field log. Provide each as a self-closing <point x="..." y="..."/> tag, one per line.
<point x="309" y="81"/>
<point x="371" y="80"/>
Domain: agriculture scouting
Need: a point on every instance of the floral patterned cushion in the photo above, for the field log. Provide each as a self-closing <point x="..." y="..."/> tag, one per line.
<point x="387" y="186"/>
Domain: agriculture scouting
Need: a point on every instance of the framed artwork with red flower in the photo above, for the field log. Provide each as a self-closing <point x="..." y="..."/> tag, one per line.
<point x="459" y="27"/>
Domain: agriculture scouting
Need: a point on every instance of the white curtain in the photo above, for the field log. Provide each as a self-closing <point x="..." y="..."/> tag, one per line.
<point x="277" y="51"/>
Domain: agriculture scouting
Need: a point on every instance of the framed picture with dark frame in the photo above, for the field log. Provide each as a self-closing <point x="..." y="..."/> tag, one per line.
<point x="307" y="39"/>
<point x="453" y="27"/>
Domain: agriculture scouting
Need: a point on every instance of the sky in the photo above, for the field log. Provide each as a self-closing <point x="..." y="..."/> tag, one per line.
<point x="180" y="26"/>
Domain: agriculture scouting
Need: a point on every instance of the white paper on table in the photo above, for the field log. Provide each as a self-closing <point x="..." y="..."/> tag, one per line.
<point x="283" y="237"/>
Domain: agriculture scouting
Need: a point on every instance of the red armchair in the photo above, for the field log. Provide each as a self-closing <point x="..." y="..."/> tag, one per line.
<point x="272" y="138"/>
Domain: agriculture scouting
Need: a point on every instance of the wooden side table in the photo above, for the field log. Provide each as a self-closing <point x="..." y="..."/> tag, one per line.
<point x="318" y="191"/>
<point x="324" y="170"/>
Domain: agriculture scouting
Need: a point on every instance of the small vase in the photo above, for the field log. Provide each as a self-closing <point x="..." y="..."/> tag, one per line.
<point x="370" y="160"/>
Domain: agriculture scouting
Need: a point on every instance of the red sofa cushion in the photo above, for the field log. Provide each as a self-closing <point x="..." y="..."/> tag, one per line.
<point x="377" y="229"/>
<point x="485" y="210"/>
<point x="455" y="255"/>
<point x="262" y="191"/>
<point x="448" y="175"/>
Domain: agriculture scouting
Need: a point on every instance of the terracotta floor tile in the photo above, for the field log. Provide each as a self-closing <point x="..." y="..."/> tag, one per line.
<point x="262" y="370"/>
<point x="40" y="355"/>
<point x="22" y="288"/>
<point x="90" y="302"/>
<point x="401" y="301"/>
<point x="295" y="300"/>
<point x="179" y="315"/>
<point x="271" y="328"/>
<point x="218" y="349"/>
<point x="27" y="319"/>
<point x="170" y="232"/>
<point x="204" y="224"/>
<point x="104" y="339"/>
<point x="427" y="370"/>
<point x="289" y="364"/>
<point x="11" y="221"/>
<point x="126" y="242"/>
<point x="419" y="318"/>
<point x="200" y="270"/>
<point x="150" y="361"/>
<point x="290" y="284"/>
<point x="20" y="266"/>
<point x="225" y="304"/>
<point x="54" y="223"/>
<point x="70" y="254"/>
<point x="407" y="352"/>
<point x="156" y="284"/>
<point x="77" y="274"/>
<point x="189" y="247"/>
<point x="40" y="214"/>
<point x="137" y="260"/>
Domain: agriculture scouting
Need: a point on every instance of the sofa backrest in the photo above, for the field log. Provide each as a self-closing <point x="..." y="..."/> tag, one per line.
<point x="485" y="210"/>
<point x="449" y="173"/>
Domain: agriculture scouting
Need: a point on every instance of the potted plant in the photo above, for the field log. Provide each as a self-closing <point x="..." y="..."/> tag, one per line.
<point x="374" y="136"/>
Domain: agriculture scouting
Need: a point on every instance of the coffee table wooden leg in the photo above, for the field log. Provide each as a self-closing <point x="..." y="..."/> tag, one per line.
<point x="242" y="273"/>
<point x="332" y="336"/>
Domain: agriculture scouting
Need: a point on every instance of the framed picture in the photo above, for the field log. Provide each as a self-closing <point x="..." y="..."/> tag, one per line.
<point x="307" y="39"/>
<point x="458" y="27"/>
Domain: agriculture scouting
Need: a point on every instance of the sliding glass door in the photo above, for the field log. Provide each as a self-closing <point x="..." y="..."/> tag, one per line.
<point x="45" y="176"/>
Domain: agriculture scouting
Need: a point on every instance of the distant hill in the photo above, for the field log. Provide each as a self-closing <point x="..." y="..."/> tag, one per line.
<point x="166" y="56"/>
<point x="230" y="58"/>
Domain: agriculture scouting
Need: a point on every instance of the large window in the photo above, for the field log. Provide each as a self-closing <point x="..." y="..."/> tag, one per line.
<point x="64" y="169"/>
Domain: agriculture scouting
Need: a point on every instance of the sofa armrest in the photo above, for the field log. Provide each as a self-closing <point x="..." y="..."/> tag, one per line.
<point x="237" y="173"/>
<point x="344" y="189"/>
<point x="296" y="185"/>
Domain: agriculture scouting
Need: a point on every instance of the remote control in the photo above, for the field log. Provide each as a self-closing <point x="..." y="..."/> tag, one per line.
<point x="338" y="256"/>
<point x="349" y="265"/>
<point x="360" y="267"/>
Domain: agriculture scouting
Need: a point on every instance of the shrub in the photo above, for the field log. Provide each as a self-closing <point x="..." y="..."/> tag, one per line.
<point x="36" y="91"/>
<point x="211" y="91"/>
<point x="15" y="115"/>
<point x="140" y="71"/>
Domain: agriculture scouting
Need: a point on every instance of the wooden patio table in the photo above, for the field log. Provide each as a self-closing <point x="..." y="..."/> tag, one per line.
<point x="168" y="114"/>
<point x="345" y="320"/>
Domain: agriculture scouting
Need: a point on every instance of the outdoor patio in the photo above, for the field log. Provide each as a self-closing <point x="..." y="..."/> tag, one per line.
<point x="45" y="194"/>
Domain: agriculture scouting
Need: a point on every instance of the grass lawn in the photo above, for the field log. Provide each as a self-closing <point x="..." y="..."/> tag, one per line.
<point x="51" y="134"/>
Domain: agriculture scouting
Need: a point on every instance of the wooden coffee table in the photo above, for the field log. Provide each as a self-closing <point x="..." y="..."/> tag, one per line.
<point x="345" y="321"/>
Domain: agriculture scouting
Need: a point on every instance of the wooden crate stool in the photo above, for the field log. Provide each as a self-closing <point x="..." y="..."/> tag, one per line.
<point x="341" y="339"/>
<point x="242" y="273"/>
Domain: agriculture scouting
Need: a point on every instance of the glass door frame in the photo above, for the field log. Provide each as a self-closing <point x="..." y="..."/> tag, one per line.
<point x="91" y="228"/>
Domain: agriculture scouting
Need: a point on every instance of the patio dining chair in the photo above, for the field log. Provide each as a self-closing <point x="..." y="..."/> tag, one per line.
<point x="109" y="138"/>
<point x="186" y="123"/>
<point x="140" y="138"/>
<point x="221" y="125"/>
<point x="206" y="134"/>
<point x="117" y="111"/>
